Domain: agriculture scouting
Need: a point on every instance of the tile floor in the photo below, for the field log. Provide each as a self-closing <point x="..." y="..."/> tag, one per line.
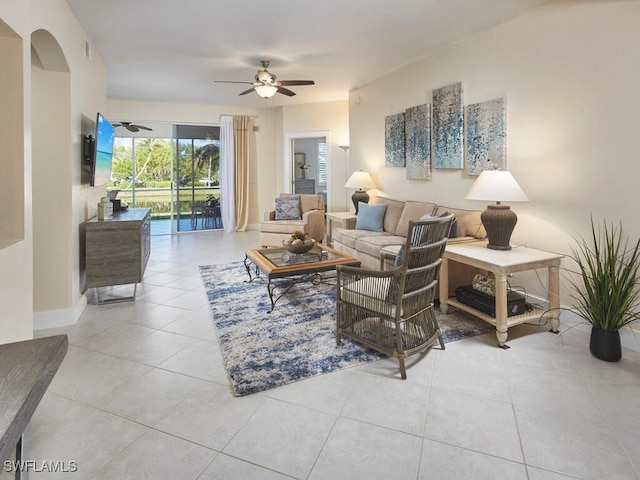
<point x="142" y="394"/>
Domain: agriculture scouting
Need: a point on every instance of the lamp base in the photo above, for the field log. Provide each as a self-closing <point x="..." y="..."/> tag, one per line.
<point x="359" y="196"/>
<point x="499" y="222"/>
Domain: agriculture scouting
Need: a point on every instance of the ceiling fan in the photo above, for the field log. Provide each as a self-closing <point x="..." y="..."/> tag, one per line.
<point x="132" y="127"/>
<point x="267" y="85"/>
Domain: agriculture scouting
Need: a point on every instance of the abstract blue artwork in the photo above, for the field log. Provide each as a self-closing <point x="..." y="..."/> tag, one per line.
<point x="448" y="127"/>
<point x="418" y="142"/>
<point x="394" y="140"/>
<point x="486" y="136"/>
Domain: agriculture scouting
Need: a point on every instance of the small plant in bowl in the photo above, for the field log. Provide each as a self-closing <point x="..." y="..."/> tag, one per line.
<point x="298" y="242"/>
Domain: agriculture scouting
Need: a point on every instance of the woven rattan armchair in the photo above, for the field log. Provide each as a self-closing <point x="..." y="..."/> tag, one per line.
<point x="392" y="311"/>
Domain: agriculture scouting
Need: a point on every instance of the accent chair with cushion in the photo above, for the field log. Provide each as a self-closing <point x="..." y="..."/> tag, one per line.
<point x="293" y="212"/>
<point x="392" y="311"/>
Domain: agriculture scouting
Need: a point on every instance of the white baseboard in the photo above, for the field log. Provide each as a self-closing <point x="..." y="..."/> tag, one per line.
<point x="59" y="318"/>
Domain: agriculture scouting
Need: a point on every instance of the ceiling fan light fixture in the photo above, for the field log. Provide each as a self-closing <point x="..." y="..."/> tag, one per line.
<point x="266" y="84"/>
<point x="266" y="91"/>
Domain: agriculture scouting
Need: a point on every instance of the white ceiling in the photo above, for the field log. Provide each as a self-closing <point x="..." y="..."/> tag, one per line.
<point x="173" y="50"/>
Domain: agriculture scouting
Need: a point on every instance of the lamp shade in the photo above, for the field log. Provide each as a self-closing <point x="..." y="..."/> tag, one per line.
<point x="266" y="91"/>
<point x="498" y="220"/>
<point x="360" y="180"/>
<point x="496" y="186"/>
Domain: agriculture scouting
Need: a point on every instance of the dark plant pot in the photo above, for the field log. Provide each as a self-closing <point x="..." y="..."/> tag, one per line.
<point x="605" y="345"/>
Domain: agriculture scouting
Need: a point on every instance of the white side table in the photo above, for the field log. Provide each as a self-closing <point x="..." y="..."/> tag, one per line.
<point x="345" y="219"/>
<point x="501" y="263"/>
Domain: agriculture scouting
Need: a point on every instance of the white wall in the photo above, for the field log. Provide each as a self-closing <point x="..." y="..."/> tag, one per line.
<point x="52" y="175"/>
<point x="15" y="163"/>
<point x="569" y="71"/>
<point x="87" y="95"/>
<point x="87" y="92"/>
<point x="330" y="117"/>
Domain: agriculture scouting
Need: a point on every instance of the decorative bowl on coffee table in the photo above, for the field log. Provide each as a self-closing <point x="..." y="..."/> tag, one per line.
<point x="301" y="248"/>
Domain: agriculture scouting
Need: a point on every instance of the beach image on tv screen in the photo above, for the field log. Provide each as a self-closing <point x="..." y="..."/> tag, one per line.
<point x="104" y="151"/>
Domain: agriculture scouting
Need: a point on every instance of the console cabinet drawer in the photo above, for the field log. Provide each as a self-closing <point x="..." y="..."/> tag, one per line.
<point x="117" y="250"/>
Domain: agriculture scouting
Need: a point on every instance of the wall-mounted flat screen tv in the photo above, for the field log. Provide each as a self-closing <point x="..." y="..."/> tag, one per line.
<point x="103" y="152"/>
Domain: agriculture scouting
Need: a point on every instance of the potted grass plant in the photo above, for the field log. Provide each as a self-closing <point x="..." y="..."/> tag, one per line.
<point x="605" y="292"/>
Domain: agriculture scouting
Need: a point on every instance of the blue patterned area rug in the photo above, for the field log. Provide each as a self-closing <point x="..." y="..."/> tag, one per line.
<point x="297" y="340"/>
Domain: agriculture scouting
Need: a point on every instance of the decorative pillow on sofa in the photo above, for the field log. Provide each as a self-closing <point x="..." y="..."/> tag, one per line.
<point x="370" y="217"/>
<point x="453" y="233"/>
<point x="288" y="208"/>
<point x="468" y="222"/>
<point x="394" y="286"/>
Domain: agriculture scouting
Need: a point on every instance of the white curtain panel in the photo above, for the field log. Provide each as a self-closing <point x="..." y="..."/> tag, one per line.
<point x="227" y="174"/>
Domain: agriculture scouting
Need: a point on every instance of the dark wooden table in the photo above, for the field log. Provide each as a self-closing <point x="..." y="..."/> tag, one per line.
<point x="26" y="370"/>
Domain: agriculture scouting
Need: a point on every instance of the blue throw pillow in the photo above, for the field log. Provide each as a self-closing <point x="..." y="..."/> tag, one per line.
<point x="370" y="217"/>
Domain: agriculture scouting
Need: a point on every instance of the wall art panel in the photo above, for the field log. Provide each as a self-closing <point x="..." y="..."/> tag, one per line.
<point x="394" y="141"/>
<point x="486" y="136"/>
<point x="448" y="127"/>
<point x="418" y="142"/>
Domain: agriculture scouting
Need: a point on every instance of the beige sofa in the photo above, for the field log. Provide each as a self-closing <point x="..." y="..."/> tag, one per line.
<point x="366" y="245"/>
<point x="311" y="222"/>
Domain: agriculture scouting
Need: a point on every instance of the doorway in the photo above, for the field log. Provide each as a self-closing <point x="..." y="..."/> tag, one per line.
<point x="308" y="164"/>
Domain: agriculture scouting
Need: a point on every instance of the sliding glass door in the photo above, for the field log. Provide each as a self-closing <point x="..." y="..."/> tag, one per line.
<point x="176" y="178"/>
<point x="197" y="185"/>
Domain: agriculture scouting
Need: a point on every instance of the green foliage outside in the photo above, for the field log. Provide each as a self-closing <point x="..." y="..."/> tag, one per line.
<point x="196" y="170"/>
<point x="153" y="164"/>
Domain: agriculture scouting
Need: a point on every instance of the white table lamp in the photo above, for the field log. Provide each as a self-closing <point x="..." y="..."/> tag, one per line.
<point x="498" y="220"/>
<point x="362" y="181"/>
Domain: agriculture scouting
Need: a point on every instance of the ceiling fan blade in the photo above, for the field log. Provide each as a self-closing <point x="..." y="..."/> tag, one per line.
<point x="285" y="91"/>
<point x="248" y="91"/>
<point x="231" y="81"/>
<point x="291" y="83"/>
<point x="132" y="127"/>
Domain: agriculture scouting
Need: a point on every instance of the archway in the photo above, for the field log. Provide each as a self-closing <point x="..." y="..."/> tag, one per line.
<point x="52" y="175"/>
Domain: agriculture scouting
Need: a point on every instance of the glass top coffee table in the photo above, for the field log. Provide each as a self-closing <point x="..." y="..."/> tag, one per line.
<point x="283" y="269"/>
